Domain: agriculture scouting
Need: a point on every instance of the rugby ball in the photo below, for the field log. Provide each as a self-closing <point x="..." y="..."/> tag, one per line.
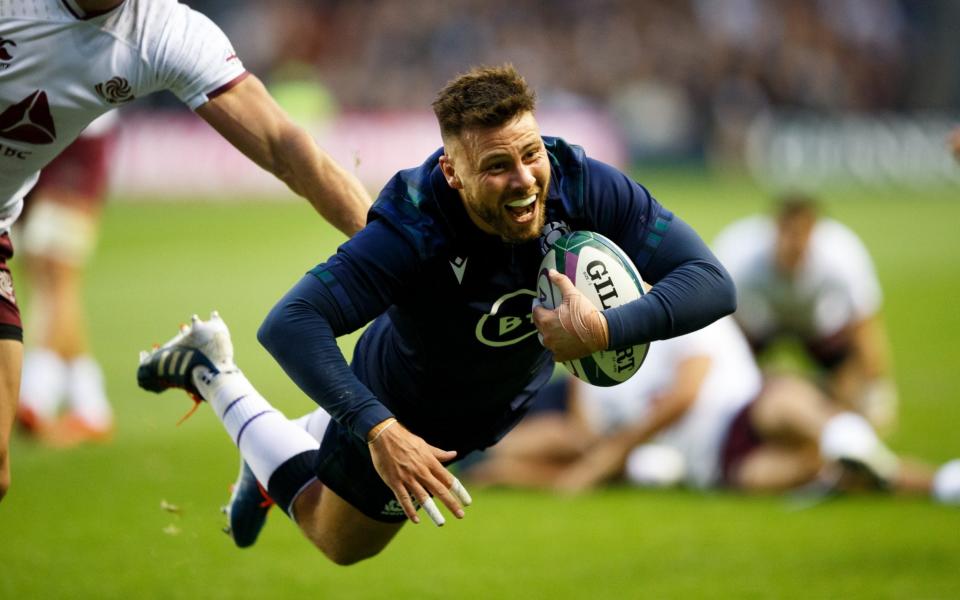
<point x="607" y="277"/>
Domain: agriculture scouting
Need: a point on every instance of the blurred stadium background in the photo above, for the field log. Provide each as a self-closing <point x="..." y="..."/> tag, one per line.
<point x="713" y="104"/>
<point x="793" y="92"/>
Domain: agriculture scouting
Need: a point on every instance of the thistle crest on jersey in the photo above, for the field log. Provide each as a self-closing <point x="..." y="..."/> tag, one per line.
<point x="550" y="233"/>
<point x="603" y="273"/>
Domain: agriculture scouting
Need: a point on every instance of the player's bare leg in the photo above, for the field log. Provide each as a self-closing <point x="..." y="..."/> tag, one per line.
<point x="11" y="359"/>
<point x="527" y="472"/>
<point x="914" y="477"/>
<point x="792" y="411"/>
<point x="791" y="408"/>
<point x="344" y="534"/>
<point x="775" y="468"/>
<point x="547" y="436"/>
<point x="280" y="453"/>
<point x="58" y="239"/>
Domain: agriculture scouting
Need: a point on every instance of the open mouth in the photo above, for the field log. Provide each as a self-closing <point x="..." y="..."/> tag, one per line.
<point x="522" y="209"/>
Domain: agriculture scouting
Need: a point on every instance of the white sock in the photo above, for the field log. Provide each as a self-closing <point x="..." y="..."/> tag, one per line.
<point x="265" y="437"/>
<point x="43" y="382"/>
<point x="86" y="394"/>
<point x="315" y="423"/>
<point x="849" y="436"/>
<point x="946" y="483"/>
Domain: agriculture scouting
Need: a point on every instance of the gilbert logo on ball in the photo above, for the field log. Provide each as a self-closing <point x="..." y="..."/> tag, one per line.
<point x="603" y="273"/>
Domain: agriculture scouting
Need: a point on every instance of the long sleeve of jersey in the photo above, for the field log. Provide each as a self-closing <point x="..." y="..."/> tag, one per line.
<point x="299" y="335"/>
<point x="692" y="290"/>
<point x="333" y="299"/>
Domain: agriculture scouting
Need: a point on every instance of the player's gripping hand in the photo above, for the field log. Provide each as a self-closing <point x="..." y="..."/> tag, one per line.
<point x="412" y="469"/>
<point x="575" y="328"/>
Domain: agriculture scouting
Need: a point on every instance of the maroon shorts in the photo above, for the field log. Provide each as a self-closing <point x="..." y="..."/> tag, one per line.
<point x="741" y="440"/>
<point x="11" y="328"/>
<point x="79" y="173"/>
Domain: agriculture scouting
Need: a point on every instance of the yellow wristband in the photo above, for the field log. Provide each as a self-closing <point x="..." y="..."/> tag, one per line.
<point x="379" y="428"/>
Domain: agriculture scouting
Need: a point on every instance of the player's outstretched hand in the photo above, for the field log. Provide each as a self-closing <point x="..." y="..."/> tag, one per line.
<point x="575" y="328"/>
<point x="412" y="469"/>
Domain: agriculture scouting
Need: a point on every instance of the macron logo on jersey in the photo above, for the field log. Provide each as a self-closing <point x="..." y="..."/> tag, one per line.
<point x="29" y="120"/>
<point x="459" y="266"/>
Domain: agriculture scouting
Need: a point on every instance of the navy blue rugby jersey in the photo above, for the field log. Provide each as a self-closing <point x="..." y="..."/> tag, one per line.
<point x="452" y="351"/>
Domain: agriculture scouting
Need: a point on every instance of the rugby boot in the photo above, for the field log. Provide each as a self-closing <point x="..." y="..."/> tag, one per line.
<point x="200" y="344"/>
<point x="247" y="509"/>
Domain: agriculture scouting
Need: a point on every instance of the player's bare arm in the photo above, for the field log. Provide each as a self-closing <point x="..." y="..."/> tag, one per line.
<point x="607" y="459"/>
<point x="249" y="118"/>
<point x="412" y="468"/>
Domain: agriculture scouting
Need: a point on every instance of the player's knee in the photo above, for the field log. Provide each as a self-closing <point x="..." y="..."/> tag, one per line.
<point x="344" y="555"/>
<point x="342" y="552"/>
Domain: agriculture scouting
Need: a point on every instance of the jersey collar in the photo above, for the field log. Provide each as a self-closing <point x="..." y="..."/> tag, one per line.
<point x="79" y="13"/>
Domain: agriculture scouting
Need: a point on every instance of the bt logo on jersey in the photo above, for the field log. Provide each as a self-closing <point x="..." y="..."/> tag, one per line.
<point x="509" y="320"/>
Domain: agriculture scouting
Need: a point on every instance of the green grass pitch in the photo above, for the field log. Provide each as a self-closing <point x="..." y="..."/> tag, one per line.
<point x="88" y="523"/>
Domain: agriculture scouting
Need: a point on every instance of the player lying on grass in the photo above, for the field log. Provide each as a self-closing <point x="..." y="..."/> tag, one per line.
<point x="699" y="411"/>
<point x="444" y="273"/>
<point x="804" y="276"/>
<point x="66" y="62"/>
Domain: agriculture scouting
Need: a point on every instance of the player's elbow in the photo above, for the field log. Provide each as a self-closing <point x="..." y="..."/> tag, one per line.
<point x="728" y="300"/>
<point x="272" y="330"/>
<point x="726" y="294"/>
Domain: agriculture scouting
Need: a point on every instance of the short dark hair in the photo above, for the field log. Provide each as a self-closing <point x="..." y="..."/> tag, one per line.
<point x="482" y="97"/>
<point x="792" y="205"/>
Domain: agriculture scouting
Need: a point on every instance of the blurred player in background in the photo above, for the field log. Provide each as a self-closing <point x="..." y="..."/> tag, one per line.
<point x="57" y="237"/>
<point x="955" y="142"/>
<point x="699" y="411"/>
<point x="803" y="276"/>
<point x="66" y="62"/>
<point x="452" y="251"/>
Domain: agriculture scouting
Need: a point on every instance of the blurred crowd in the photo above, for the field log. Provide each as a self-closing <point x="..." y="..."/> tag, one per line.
<point x="828" y="55"/>
<point x="676" y="73"/>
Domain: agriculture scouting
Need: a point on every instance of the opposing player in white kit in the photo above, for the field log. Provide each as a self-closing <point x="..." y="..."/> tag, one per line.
<point x="63" y="63"/>
<point x="800" y="275"/>
<point x="699" y="412"/>
<point x="63" y="396"/>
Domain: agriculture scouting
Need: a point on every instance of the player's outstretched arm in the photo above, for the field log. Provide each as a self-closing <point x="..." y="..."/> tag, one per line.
<point x="249" y="118"/>
<point x="412" y="468"/>
<point x="607" y="459"/>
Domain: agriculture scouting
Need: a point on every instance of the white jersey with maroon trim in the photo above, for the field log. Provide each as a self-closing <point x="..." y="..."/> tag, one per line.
<point x="732" y="381"/>
<point x="835" y="285"/>
<point x="61" y="68"/>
